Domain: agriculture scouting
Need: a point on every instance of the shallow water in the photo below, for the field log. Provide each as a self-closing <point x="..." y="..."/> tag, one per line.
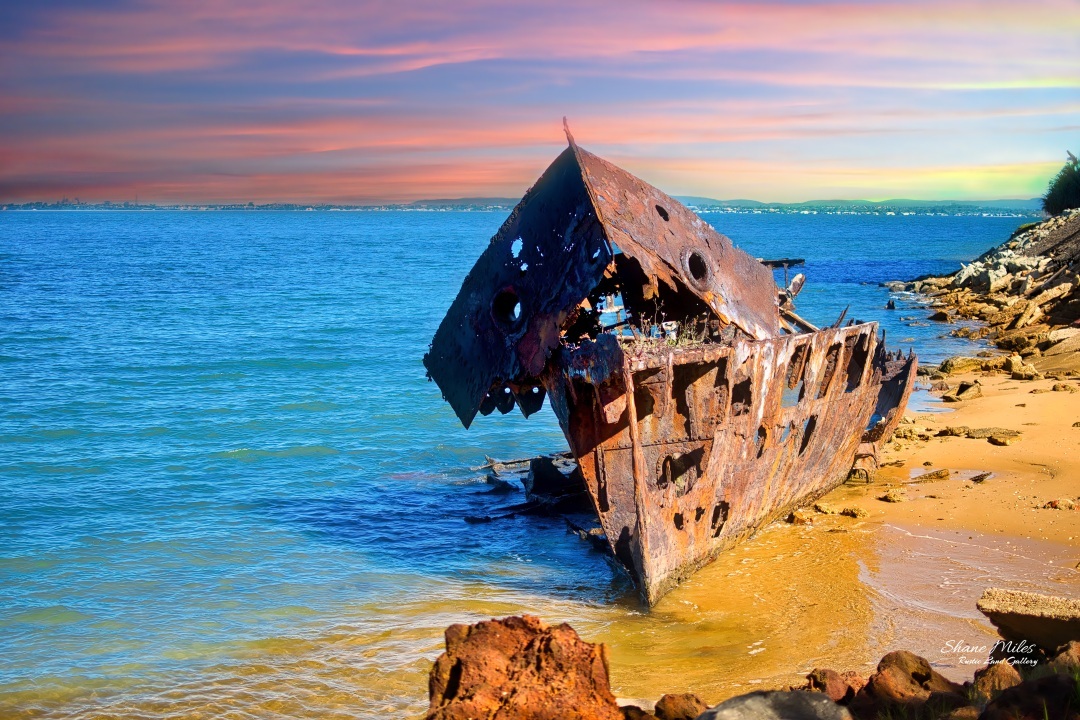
<point x="231" y="492"/>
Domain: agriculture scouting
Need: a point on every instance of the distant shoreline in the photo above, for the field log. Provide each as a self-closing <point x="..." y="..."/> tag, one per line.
<point x="901" y="208"/>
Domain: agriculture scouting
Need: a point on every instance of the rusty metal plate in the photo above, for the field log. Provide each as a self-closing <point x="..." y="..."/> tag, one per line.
<point x="507" y="318"/>
<point x="675" y="246"/>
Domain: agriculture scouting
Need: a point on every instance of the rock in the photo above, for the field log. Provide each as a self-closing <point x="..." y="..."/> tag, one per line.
<point x="1065" y="346"/>
<point x="839" y="687"/>
<point x="959" y="365"/>
<point x="1052" y="294"/>
<point x="633" y="712"/>
<point x="1076" y="424"/>
<point x="891" y="305"/>
<point x="1032" y="314"/>
<point x="686" y="706"/>
<point x="1060" y="504"/>
<point x="854" y="512"/>
<point x="985" y="280"/>
<point x="954" y="431"/>
<point x="1053" y="697"/>
<point x="909" y="433"/>
<point x="1056" y="336"/>
<point x="1045" y="620"/>
<point x="964" y="391"/>
<point x="800" y="517"/>
<point x="942" y="474"/>
<point x="825" y="509"/>
<point x="778" y="705"/>
<point x="1003" y="440"/>
<point x="941" y="316"/>
<point x="1026" y="372"/>
<point x="982" y="433"/>
<point x="1063" y="387"/>
<point x="1068" y="658"/>
<point x="1014" y="363"/>
<point x="994" y="678"/>
<point x="964" y="276"/>
<point x="895" y="495"/>
<point x="518" y="668"/>
<point x="905" y="680"/>
<point x="1002" y="282"/>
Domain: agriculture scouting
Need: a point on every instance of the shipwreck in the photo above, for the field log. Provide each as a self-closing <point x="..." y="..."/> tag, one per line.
<point x="697" y="403"/>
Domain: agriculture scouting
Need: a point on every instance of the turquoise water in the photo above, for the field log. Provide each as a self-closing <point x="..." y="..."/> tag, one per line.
<point x="228" y="487"/>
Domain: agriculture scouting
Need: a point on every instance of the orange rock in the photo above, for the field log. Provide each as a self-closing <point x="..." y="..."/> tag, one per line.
<point x="518" y="668"/>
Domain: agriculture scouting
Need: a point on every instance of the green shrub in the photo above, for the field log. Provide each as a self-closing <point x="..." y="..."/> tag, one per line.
<point x="1064" y="190"/>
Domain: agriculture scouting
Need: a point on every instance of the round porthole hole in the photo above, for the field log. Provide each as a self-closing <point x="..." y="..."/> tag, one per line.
<point x="506" y="309"/>
<point x="699" y="269"/>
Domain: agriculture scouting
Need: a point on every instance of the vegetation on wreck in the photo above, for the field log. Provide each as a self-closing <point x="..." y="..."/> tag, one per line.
<point x="1064" y="190"/>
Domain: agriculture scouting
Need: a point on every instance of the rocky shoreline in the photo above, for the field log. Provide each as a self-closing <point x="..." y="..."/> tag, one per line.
<point x="518" y="668"/>
<point x="1025" y="295"/>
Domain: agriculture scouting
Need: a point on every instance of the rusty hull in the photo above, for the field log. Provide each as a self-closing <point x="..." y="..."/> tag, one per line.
<point x="724" y="439"/>
<point x="696" y="413"/>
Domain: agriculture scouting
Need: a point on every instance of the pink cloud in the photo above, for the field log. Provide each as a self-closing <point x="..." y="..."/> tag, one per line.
<point x="192" y="99"/>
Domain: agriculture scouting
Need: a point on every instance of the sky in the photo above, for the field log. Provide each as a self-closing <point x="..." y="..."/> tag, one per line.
<point x="361" y="101"/>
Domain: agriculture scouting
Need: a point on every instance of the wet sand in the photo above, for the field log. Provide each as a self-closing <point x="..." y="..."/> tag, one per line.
<point x="1043" y="465"/>
<point x="842" y="592"/>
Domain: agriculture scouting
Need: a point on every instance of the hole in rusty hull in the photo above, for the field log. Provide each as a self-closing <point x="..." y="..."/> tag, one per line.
<point x="831" y="358"/>
<point x="506" y="310"/>
<point x="680" y="470"/>
<point x="792" y="396"/>
<point x="807" y="433"/>
<point x="741" y="398"/>
<point x="699" y="269"/>
<point x="857" y="362"/>
<point x="719" y="517"/>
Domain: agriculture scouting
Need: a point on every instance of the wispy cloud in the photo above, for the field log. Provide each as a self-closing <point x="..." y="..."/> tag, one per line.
<point x="199" y="100"/>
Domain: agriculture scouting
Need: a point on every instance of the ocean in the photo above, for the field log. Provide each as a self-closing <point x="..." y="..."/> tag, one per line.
<point x="230" y="491"/>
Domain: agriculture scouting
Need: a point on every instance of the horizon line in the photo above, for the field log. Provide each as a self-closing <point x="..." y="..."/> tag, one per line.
<point x="482" y="200"/>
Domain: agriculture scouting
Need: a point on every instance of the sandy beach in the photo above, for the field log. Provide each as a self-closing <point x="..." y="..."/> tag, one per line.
<point x="1041" y="466"/>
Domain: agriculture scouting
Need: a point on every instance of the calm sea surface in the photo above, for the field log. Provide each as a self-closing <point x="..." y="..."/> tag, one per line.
<point x="228" y="489"/>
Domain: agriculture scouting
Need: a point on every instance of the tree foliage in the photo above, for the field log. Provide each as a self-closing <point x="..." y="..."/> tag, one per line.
<point x="1064" y="190"/>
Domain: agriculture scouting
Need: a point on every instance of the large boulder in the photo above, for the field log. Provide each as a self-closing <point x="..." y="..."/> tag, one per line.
<point x="518" y="668"/>
<point x="906" y="681"/>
